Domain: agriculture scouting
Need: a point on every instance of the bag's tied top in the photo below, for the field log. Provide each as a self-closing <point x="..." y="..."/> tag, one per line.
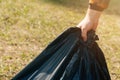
<point x="91" y="38"/>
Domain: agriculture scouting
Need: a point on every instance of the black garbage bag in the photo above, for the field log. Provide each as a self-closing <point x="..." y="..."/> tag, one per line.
<point x="68" y="57"/>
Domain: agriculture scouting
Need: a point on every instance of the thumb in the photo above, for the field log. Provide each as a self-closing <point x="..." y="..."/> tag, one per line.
<point x="84" y="34"/>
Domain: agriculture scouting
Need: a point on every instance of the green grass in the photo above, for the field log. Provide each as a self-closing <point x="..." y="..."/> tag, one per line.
<point x="28" y="26"/>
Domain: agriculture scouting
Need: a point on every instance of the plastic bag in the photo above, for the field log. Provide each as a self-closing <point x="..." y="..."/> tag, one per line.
<point x="68" y="57"/>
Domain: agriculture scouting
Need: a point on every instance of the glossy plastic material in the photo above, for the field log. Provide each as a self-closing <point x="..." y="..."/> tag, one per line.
<point x="68" y="57"/>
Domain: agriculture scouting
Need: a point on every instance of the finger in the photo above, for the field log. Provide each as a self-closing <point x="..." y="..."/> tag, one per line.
<point x="84" y="34"/>
<point x="95" y="26"/>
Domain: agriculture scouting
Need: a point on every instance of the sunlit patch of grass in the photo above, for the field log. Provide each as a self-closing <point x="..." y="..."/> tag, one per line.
<point x="27" y="27"/>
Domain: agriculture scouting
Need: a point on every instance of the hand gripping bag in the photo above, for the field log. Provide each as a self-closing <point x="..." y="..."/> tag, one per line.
<point x="68" y="57"/>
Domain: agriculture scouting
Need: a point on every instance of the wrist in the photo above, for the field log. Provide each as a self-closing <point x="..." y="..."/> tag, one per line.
<point x="93" y="14"/>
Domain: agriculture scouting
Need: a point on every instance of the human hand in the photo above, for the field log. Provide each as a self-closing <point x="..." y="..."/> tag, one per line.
<point x="90" y="22"/>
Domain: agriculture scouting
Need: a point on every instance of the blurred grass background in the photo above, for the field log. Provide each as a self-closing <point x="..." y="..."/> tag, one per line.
<point x="28" y="26"/>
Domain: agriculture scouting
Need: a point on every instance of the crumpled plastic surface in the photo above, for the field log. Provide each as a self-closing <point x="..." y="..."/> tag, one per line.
<point x="68" y="57"/>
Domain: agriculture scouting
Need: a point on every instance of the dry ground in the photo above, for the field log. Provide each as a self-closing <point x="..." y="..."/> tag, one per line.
<point x="27" y="27"/>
